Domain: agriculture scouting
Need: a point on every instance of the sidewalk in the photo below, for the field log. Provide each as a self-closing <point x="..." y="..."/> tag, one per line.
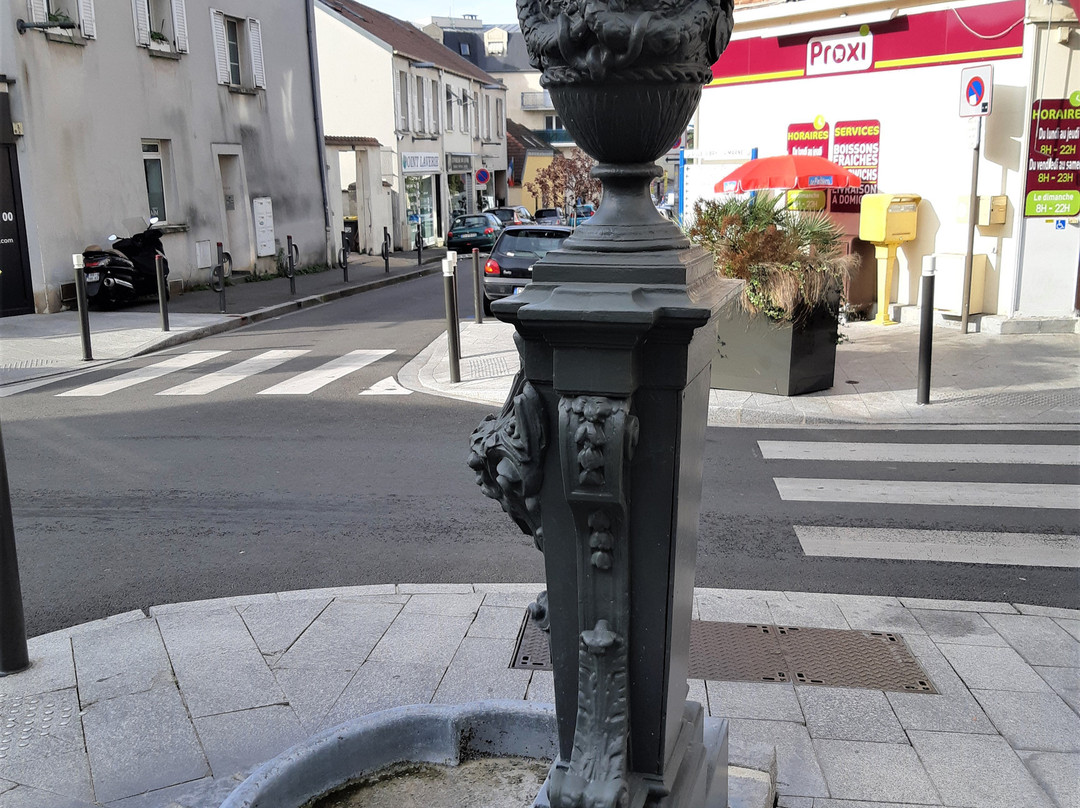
<point x="173" y="709"/>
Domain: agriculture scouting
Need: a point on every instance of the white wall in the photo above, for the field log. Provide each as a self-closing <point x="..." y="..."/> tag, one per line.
<point x="85" y="110"/>
<point x="924" y="150"/>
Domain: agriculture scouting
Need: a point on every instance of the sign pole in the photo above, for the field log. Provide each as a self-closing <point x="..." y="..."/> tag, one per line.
<point x="973" y="213"/>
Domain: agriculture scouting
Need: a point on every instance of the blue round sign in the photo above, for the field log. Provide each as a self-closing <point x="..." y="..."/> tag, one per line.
<point x="482" y="176"/>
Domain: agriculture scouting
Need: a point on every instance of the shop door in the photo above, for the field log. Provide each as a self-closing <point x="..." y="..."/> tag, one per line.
<point x="16" y="290"/>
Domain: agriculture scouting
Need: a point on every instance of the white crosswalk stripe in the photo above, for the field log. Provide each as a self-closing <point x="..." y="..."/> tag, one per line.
<point x="386" y="387"/>
<point x="914" y="492"/>
<point x="971" y="546"/>
<point x="312" y="380"/>
<point x="144" y="374"/>
<point x="235" y="373"/>
<point x="1053" y="455"/>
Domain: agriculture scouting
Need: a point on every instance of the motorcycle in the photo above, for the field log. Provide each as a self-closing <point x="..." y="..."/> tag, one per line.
<point x="126" y="270"/>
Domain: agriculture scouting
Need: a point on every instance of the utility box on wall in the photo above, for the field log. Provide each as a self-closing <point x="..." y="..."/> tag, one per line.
<point x="992" y="210"/>
<point x="949" y="286"/>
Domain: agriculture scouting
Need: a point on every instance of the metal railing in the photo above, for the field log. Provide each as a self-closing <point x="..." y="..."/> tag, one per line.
<point x="554" y="136"/>
<point x="540" y="99"/>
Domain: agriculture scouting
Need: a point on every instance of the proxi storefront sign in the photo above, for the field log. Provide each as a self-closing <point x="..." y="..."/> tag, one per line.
<point x="840" y="53"/>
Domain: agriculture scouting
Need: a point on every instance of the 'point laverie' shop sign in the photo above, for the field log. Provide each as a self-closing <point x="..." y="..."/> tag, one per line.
<point x="420" y="162"/>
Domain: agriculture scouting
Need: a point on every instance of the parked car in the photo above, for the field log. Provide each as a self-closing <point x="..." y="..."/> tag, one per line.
<point x="549" y="216"/>
<point x="668" y="213"/>
<point x="510" y="266"/>
<point x="584" y="211"/>
<point x="512" y="215"/>
<point x="478" y="230"/>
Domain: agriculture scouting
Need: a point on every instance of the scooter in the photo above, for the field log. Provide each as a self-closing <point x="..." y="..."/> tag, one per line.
<point x="125" y="271"/>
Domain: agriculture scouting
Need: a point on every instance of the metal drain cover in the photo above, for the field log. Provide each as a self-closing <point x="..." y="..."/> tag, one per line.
<point x="744" y="652"/>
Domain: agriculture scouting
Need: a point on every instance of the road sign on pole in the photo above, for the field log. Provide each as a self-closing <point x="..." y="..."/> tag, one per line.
<point x="976" y="90"/>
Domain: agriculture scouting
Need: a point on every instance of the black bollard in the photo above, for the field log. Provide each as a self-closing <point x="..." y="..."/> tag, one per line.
<point x="13" y="652"/>
<point x="926" y="328"/>
<point x="453" y="339"/>
<point x="290" y="266"/>
<point x="345" y="254"/>
<point x="386" y="250"/>
<point x="84" y="307"/>
<point x="218" y="276"/>
<point x="162" y="291"/>
<point x="419" y="247"/>
<point x="478" y="287"/>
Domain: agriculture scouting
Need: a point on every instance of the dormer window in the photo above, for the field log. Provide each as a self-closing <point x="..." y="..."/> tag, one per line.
<point x="464" y="48"/>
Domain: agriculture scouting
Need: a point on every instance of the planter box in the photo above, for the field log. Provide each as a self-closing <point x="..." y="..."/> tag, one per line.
<point x="760" y="356"/>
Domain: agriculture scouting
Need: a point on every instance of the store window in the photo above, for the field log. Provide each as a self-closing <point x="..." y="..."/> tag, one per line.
<point x="459" y="194"/>
<point x="420" y="198"/>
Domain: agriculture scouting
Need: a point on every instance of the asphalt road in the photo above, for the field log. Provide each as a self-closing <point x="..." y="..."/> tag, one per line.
<point x="130" y="499"/>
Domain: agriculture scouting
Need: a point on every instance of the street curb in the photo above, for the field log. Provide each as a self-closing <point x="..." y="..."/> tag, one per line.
<point x="280" y="309"/>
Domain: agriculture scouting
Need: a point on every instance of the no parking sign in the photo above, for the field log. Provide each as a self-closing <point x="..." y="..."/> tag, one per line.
<point x="482" y="176"/>
<point x="976" y="90"/>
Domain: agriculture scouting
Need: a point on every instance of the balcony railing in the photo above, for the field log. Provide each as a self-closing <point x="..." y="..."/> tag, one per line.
<point x="556" y="137"/>
<point x="540" y="99"/>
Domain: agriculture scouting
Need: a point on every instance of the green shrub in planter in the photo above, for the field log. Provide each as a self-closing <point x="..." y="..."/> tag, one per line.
<point x="793" y="266"/>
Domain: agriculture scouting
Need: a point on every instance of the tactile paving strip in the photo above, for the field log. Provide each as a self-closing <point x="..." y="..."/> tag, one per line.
<point x="745" y="652"/>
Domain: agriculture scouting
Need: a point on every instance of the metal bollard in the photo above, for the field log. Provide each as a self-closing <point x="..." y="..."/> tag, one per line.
<point x="345" y="254"/>
<point x="218" y="276"/>
<point x="926" y="328"/>
<point x="453" y="338"/>
<point x="478" y="287"/>
<point x="84" y="307"/>
<point x="386" y="250"/>
<point x="162" y="291"/>
<point x="290" y="266"/>
<point x="419" y="247"/>
<point x="13" y="651"/>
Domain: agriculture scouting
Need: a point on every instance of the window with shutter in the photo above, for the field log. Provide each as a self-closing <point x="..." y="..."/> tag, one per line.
<point x="221" y="46"/>
<point x="449" y="109"/>
<point x="258" y="69"/>
<point x="420" y="100"/>
<point x="403" y="101"/>
<point x="39" y="11"/>
<point x="86" y="19"/>
<point x="141" y="11"/>
<point x="180" y="34"/>
<point x="432" y="108"/>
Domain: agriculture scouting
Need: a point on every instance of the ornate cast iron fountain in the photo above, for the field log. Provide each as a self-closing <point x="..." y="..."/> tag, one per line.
<point x="597" y="453"/>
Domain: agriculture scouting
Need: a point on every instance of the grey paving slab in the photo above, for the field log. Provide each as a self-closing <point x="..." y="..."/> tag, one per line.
<point x="133" y="616"/>
<point x="874" y="616"/>
<point x="332" y="592"/>
<point x="1032" y="721"/>
<point x="480" y="671"/>
<point x="1071" y="626"/>
<point x="140" y="743"/>
<point x="1048" y="611"/>
<point x="452" y="604"/>
<point x="211" y="604"/>
<point x="422" y="639"/>
<point x="236" y="742"/>
<point x="991" y="668"/>
<point x="162" y="797"/>
<point x="435" y="589"/>
<point x="794" y="802"/>
<point x="518" y="598"/>
<point x="29" y="797"/>
<point x="830" y="803"/>
<point x="980" y="771"/>
<point x="1058" y="774"/>
<point x="382" y="685"/>
<point x="695" y="691"/>
<point x="1065" y="682"/>
<point x="807" y="609"/>
<point x="120" y="660"/>
<point x="312" y="686"/>
<point x="52" y="667"/>
<point x="849" y="714"/>
<point x="734" y="606"/>
<point x="751" y="744"/>
<point x="966" y="628"/>
<point x="1039" y="640"/>
<point x="881" y="772"/>
<point x="767" y="701"/>
<point x="7" y="785"/>
<point x="344" y="632"/>
<point x="542" y="687"/>
<point x="42" y="744"/>
<point x="217" y="664"/>
<point x="957" y="605"/>
<point x="276" y="626"/>
<point x="497" y="622"/>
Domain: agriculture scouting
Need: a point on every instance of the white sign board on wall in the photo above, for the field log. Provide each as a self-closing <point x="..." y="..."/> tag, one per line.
<point x="264" y="226"/>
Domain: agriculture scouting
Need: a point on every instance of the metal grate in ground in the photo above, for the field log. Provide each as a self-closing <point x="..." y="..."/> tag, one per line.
<point x="745" y="652"/>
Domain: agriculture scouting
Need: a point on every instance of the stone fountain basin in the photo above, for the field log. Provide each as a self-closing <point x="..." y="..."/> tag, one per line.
<point x="427" y="733"/>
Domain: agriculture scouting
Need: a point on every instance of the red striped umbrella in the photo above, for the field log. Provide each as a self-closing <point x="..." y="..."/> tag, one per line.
<point x="799" y="171"/>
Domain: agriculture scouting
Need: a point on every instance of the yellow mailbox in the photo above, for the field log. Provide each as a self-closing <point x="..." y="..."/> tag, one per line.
<point x="887" y="220"/>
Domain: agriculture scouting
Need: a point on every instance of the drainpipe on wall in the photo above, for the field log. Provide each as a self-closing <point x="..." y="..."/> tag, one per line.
<point x="320" y="146"/>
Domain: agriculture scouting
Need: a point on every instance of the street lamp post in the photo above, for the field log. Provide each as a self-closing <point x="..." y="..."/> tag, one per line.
<point x="598" y="451"/>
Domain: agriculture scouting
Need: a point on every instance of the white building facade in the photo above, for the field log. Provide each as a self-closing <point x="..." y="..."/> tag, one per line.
<point x="885" y="89"/>
<point x="202" y="114"/>
<point x="438" y="120"/>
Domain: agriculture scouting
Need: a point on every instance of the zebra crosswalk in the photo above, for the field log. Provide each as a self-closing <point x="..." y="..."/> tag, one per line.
<point x="301" y="383"/>
<point x="979" y="546"/>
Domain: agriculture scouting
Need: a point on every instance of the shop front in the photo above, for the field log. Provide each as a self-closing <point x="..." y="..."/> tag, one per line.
<point x="458" y="183"/>
<point x="422" y="171"/>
